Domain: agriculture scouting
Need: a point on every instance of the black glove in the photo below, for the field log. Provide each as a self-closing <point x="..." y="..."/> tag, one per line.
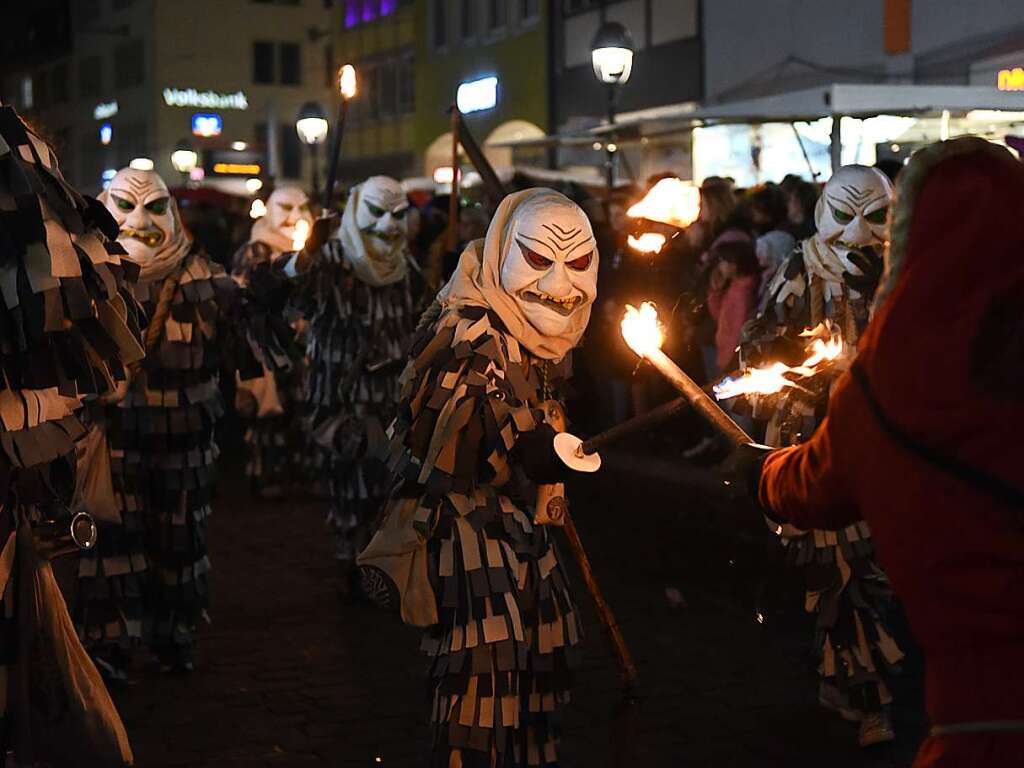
<point x="321" y="231"/>
<point x="743" y="469"/>
<point x="870" y="263"/>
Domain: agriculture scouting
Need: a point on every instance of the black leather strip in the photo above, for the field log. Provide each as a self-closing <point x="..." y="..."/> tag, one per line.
<point x="977" y="478"/>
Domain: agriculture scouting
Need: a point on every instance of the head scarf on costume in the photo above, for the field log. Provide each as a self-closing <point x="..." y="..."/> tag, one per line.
<point x="151" y="229"/>
<point x="286" y="206"/>
<point x="536" y="269"/>
<point x="944" y="353"/>
<point x="373" y="232"/>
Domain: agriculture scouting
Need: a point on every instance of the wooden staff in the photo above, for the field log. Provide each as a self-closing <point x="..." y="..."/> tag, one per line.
<point x="453" y="200"/>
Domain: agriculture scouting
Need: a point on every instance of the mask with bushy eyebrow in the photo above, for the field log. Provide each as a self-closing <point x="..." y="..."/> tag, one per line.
<point x="852" y="211"/>
<point x="550" y="268"/>
<point x="381" y="213"/>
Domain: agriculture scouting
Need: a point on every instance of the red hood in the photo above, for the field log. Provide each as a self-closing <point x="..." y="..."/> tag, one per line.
<point x="943" y="352"/>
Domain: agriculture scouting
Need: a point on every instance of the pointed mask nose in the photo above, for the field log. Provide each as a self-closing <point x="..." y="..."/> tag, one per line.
<point x="556" y="282"/>
<point x="858" y="232"/>
<point x="139" y="219"/>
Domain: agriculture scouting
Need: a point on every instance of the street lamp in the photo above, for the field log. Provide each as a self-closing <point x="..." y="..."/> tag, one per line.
<point x="612" y="56"/>
<point x="184" y="159"/>
<point x="311" y="125"/>
<point x="347" y="89"/>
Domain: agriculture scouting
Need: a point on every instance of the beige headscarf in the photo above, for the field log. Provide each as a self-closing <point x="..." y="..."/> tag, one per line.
<point x="370" y="264"/>
<point x="477" y="280"/>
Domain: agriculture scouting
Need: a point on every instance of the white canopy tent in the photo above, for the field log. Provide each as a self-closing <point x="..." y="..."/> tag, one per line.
<point x="834" y="100"/>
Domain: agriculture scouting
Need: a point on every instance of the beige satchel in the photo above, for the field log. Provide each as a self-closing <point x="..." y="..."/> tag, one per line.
<point x="394" y="566"/>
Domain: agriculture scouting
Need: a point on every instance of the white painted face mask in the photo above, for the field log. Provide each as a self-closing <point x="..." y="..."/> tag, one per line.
<point x="536" y="269"/>
<point x="286" y="207"/>
<point x="851" y="212"/>
<point x="373" y="231"/>
<point x="550" y="266"/>
<point x="151" y="228"/>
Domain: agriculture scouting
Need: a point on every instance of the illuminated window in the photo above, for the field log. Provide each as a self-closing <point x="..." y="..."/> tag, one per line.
<point x="27" y="95"/>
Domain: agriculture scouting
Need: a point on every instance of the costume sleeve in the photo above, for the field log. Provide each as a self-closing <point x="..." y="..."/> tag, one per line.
<point x="463" y="408"/>
<point x="810" y="485"/>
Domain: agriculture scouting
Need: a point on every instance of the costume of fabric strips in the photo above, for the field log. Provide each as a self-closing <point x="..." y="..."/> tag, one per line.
<point x="506" y="621"/>
<point x="846" y="590"/>
<point x="161" y="434"/>
<point x="356" y="342"/>
<point x="67" y="330"/>
<point x="277" y="444"/>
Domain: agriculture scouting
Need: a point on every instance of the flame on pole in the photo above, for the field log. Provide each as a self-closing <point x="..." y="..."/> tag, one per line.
<point x="824" y="348"/>
<point x="300" y="234"/>
<point x="644" y="334"/>
<point x="667" y="209"/>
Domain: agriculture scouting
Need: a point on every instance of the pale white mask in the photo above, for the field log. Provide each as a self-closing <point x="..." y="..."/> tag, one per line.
<point x="286" y="206"/>
<point x="550" y="266"/>
<point x="151" y="228"/>
<point x="851" y="212"/>
<point x="373" y="231"/>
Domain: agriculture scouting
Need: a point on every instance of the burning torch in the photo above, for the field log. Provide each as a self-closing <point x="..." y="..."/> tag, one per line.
<point x="347" y="88"/>
<point x="668" y="208"/>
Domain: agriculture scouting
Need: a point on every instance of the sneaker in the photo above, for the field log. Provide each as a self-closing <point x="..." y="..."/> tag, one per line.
<point x="876" y="728"/>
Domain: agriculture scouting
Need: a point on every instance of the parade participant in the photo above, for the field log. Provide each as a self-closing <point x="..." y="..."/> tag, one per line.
<point x="357" y="301"/>
<point x="161" y="434"/>
<point x="274" y="435"/>
<point x="68" y="328"/>
<point x="471" y="454"/>
<point x="920" y="441"/>
<point x="831" y="277"/>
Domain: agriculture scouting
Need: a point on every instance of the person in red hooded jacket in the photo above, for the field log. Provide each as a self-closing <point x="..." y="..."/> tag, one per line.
<point x="922" y="441"/>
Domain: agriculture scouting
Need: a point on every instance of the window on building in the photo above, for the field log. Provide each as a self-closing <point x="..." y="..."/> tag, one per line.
<point x="388" y="87"/>
<point x="86" y="10"/>
<point x="440" y="23"/>
<point x="28" y="99"/>
<point x="129" y="64"/>
<point x="118" y="5"/>
<point x="372" y="81"/>
<point x="291" y="64"/>
<point x="262" y="62"/>
<point x="291" y="152"/>
<point x="497" y="14"/>
<point x="90" y="77"/>
<point x="59" y="83"/>
<point x="529" y="9"/>
<point x="330" y="69"/>
<point x="467" y="19"/>
<point x="406" y="85"/>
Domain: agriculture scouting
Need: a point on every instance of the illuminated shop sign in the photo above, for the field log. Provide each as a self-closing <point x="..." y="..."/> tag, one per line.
<point x="1011" y="79"/>
<point x="206" y="124"/>
<point x="236" y="169"/>
<point x="104" y="111"/>
<point x="477" y="95"/>
<point x="190" y="97"/>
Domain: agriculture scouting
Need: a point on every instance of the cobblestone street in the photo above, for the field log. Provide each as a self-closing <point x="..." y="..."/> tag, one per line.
<point x="288" y="676"/>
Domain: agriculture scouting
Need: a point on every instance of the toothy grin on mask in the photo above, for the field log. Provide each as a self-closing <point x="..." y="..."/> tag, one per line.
<point x="151" y="237"/>
<point x="564" y="306"/>
<point x="391" y="236"/>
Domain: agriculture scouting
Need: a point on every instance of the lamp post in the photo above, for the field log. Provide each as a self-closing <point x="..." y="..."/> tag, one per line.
<point x="612" y="57"/>
<point x="184" y="159"/>
<point x="311" y="125"/>
<point x="347" y="89"/>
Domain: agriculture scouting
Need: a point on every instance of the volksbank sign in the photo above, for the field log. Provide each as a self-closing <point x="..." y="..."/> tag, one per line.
<point x="190" y="97"/>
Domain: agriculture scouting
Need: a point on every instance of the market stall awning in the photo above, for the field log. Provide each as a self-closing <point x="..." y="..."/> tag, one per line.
<point x="833" y="99"/>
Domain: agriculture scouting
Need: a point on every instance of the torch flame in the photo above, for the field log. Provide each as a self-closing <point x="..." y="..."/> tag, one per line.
<point x="670" y="201"/>
<point x="347" y="81"/>
<point x="825" y="347"/>
<point x="648" y="242"/>
<point x="641" y="329"/>
<point x="300" y="234"/>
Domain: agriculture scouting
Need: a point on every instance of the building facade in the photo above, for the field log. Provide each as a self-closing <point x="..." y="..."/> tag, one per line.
<point x="140" y="78"/>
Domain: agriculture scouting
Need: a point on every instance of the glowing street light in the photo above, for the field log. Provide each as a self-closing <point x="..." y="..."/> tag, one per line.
<point x="184" y="158"/>
<point x="611" y="53"/>
<point x="311" y="125"/>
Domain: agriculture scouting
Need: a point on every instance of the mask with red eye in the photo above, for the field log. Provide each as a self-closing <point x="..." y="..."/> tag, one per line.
<point x="550" y="268"/>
